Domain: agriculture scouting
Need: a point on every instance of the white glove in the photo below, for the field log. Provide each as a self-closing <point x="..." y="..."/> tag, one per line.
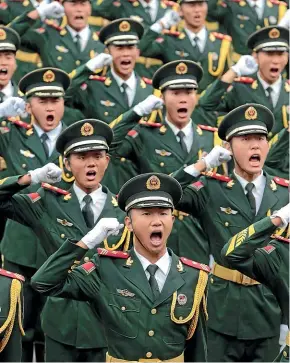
<point x="245" y="66"/>
<point x="285" y="21"/>
<point x="170" y="18"/>
<point x="99" y="61"/>
<point x="283" y="334"/>
<point x="49" y="173"/>
<point x="102" y="230"/>
<point x="284" y="214"/>
<point x="52" y="10"/>
<point x="216" y="157"/>
<point x="13" y="106"/>
<point x="148" y="105"/>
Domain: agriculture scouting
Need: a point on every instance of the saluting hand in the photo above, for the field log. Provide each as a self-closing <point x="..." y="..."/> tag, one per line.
<point x="99" y="61"/>
<point x="216" y="157"/>
<point x="245" y="66"/>
<point x="170" y="18"/>
<point x="52" y="10"/>
<point x="13" y="106"/>
<point x="150" y="104"/>
<point x="49" y="173"/>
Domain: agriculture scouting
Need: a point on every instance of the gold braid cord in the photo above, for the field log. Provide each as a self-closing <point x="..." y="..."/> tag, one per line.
<point x="284" y="117"/>
<point x="125" y="238"/>
<point x="225" y="48"/>
<point x="15" y="299"/>
<point x="194" y="313"/>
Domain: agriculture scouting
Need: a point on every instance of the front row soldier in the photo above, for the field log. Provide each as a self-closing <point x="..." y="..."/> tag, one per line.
<point x="152" y="302"/>
<point x="262" y="253"/>
<point x="72" y="331"/>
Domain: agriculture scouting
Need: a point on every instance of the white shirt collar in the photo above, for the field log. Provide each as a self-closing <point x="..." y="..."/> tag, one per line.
<point x="187" y="129"/>
<point x="131" y="81"/>
<point x="52" y="135"/>
<point x="163" y="263"/>
<point x="258" y="3"/>
<point x="84" y="33"/>
<point x="259" y="182"/>
<point x="202" y="36"/>
<point x="81" y="194"/>
<point x="8" y="90"/>
<point x="276" y="86"/>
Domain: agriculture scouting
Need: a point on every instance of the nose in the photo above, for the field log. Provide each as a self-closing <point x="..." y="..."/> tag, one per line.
<point x="157" y="221"/>
<point x="91" y="161"/>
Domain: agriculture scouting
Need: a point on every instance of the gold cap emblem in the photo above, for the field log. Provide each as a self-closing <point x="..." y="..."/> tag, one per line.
<point x="274" y="33"/>
<point x="251" y="113"/>
<point x="181" y="68"/>
<point x="124" y="26"/>
<point x="87" y="129"/>
<point x="49" y="76"/>
<point x="2" y="34"/>
<point x="153" y="183"/>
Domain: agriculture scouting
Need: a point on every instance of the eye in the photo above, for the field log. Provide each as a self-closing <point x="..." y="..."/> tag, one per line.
<point x="145" y="214"/>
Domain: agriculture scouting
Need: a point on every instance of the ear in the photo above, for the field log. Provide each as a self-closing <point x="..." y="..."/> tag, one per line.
<point x="128" y="223"/>
<point x="227" y="146"/>
<point x="255" y="55"/>
<point x="67" y="164"/>
<point x="138" y="52"/>
<point x="28" y="108"/>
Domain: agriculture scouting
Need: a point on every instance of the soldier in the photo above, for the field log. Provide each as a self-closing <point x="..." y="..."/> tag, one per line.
<point x="144" y="296"/>
<point x="210" y="49"/>
<point x="72" y="331"/>
<point x="61" y="47"/>
<point x="11" y="319"/>
<point x="266" y="259"/>
<point x="263" y="84"/>
<point x="224" y="207"/>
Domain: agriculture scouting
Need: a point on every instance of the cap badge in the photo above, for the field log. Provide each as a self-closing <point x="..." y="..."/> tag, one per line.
<point x="2" y="34"/>
<point x="274" y="33"/>
<point x="124" y="26"/>
<point x="49" y="76"/>
<point x="153" y="183"/>
<point x="251" y="113"/>
<point x="181" y="68"/>
<point x="87" y="129"/>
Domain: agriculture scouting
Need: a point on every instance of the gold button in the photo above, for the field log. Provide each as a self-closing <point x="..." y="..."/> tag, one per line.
<point x="180" y="218"/>
<point x="226" y="224"/>
<point x="123" y="308"/>
<point x="3" y="123"/>
<point x="153" y="311"/>
<point x="285" y="354"/>
<point x="211" y="280"/>
<point x="113" y="245"/>
<point x="59" y="58"/>
<point x="62" y="235"/>
<point x="161" y="164"/>
<point x="78" y="62"/>
<point x="148" y="355"/>
<point x="86" y="259"/>
<point x="270" y="134"/>
<point x="67" y="175"/>
<point x="258" y="27"/>
<point x="106" y="113"/>
<point x="151" y="333"/>
<point x="23" y="165"/>
<point x="39" y="64"/>
<point x="123" y="159"/>
<point x="181" y="317"/>
<point x="242" y="25"/>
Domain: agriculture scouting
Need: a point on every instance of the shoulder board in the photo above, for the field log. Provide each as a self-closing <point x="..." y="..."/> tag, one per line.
<point x="247" y="80"/>
<point x="171" y="32"/>
<point x="53" y="24"/>
<point x="34" y="197"/>
<point x="150" y="124"/>
<point x="3" y="6"/>
<point x="208" y="128"/>
<point x="281" y="181"/>
<point x="98" y="78"/>
<point x="199" y="266"/>
<point x="116" y="254"/>
<point x="147" y="80"/>
<point x="12" y="275"/>
<point x="277" y="2"/>
<point x="222" y="36"/>
<point x="88" y="267"/>
<point x="54" y="189"/>
<point x="169" y="3"/>
<point x="20" y="123"/>
<point x="133" y="133"/>
<point x="217" y="176"/>
<point x="280" y="238"/>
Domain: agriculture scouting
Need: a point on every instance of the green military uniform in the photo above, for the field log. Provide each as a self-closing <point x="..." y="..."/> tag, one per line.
<point x="73" y="331"/>
<point x="223" y="210"/>
<point x="241" y="20"/>
<point x="140" y="322"/>
<point x="251" y="252"/>
<point x="11" y="329"/>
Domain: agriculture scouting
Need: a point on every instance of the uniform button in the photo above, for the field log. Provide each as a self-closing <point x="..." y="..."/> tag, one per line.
<point x="106" y="113"/>
<point x="153" y="311"/>
<point x="123" y="308"/>
<point x="258" y="27"/>
<point x="123" y="160"/>
<point x="148" y="355"/>
<point x="151" y="333"/>
<point x="62" y="235"/>
<point x="226" y="224"/>
<point x="59" y="58"/>
<point x="23" y="165"/>
<point x="113" y="245"/>
<point x="242" y="25"/>
<point x="270" y="134"/>
<point x="86" y="259"/>
<point x="285" y="354"/>
<point x="181" y="317"/>
<point x="211" y="280"/>
<point x="180" y="218"/>
<point x="39" y="64"/>
<point x="78" y="62"/>
<point x="161" y="164"/>
<point x="3" y="123"/>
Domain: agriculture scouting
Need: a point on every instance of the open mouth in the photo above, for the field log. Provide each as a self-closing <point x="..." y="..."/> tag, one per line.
<point x="3" y="71"/>
<point x="255" y="160"/>
<point x="156" y="237"/>
<point x="91" y="174"/>
<point x="274" y="70"/>
<point x="182" y="112"/>
<point x="49" y="118"/>
<point x="126" y="63"/>
<point x="79" y="17"/>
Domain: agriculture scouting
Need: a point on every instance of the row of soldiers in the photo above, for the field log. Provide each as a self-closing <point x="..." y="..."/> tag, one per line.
<point x="97" y="91"/>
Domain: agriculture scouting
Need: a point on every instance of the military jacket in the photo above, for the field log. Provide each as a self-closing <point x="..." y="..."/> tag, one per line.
<point x="223" y="209"/>
<point x="116" y="286"/>
<point x="54" y="214"/>
<point x="221" y="96"/>
<point x="175" y="45"/>
<point x="55" y="44"/>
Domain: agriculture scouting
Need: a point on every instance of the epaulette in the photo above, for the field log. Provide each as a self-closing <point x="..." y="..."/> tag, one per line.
<point x="247" y="80"/>
<point x="199" y="266"/>
<point x="117" y="254"/>
<point x="34" y="197"/>
<point x="207" y="128"/>
<point x="20" y="123"/>
<point x="147" y="80"/>
<point x="3" y="6"/>
<point x="150" y="124"/>
<point x="53" y="24"/>
<point x="222" y="36"/>
<point x="281" y="181"/>
<point x="171" y="32"/>
<point x="280" y="238"/>
<point x="12" y="275"/>
<point x="54" y="189"/>
<point x="97" y="78"/>
<point x="169" y="3"/>
<point x="277" y="2"/>
<point x="217" y="176"/>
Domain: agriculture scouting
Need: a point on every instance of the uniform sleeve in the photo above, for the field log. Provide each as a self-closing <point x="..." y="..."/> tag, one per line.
<point x="55" y="277"/>
<point x="278" y="156"/>
<point x="153" y="45"/>
<point x="106" y="9"/>
<point x="216" y="97"/>
<point x="123" y="124"/>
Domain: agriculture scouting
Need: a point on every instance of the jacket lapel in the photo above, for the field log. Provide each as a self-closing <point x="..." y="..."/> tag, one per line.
<point x="283" y="99"/>
<point x="68" y="43"/>
<point x="109" y="211"/>
<point x="34" y="144"/>
<point x="169" y="140"/>
<point x="113" y="90"/>
<point x="269" y="199"/>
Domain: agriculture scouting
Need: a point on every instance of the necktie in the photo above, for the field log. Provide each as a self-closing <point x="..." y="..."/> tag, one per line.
<point x="181" y="136"/>
<point x="152" y="280"/>
<point x="44" y="139"/>
<point x="88" y="212"/>
<point x="251" y="198"/>
<point x="196" y="46"/>
<point x="256" y="8"/>
<point x="125" y="94"/>
<point x="2" y="95"/>
<point x="78" y="42"/>
<point x="269" y="96"/>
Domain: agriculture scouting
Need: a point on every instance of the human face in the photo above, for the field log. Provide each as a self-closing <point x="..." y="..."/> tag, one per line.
<point x="249" y="152"/>
<point x="88" y="168"/>
<point x="7" y="67"/>
<point x="151" y="228"/>
<point x="194" y="15"/>
<point x="47" y="112"/>
<point x="124" y="59"/>
<point x="77" y="14"/>
<point x="179" y="104"/>
<point x="271" y="64"/>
